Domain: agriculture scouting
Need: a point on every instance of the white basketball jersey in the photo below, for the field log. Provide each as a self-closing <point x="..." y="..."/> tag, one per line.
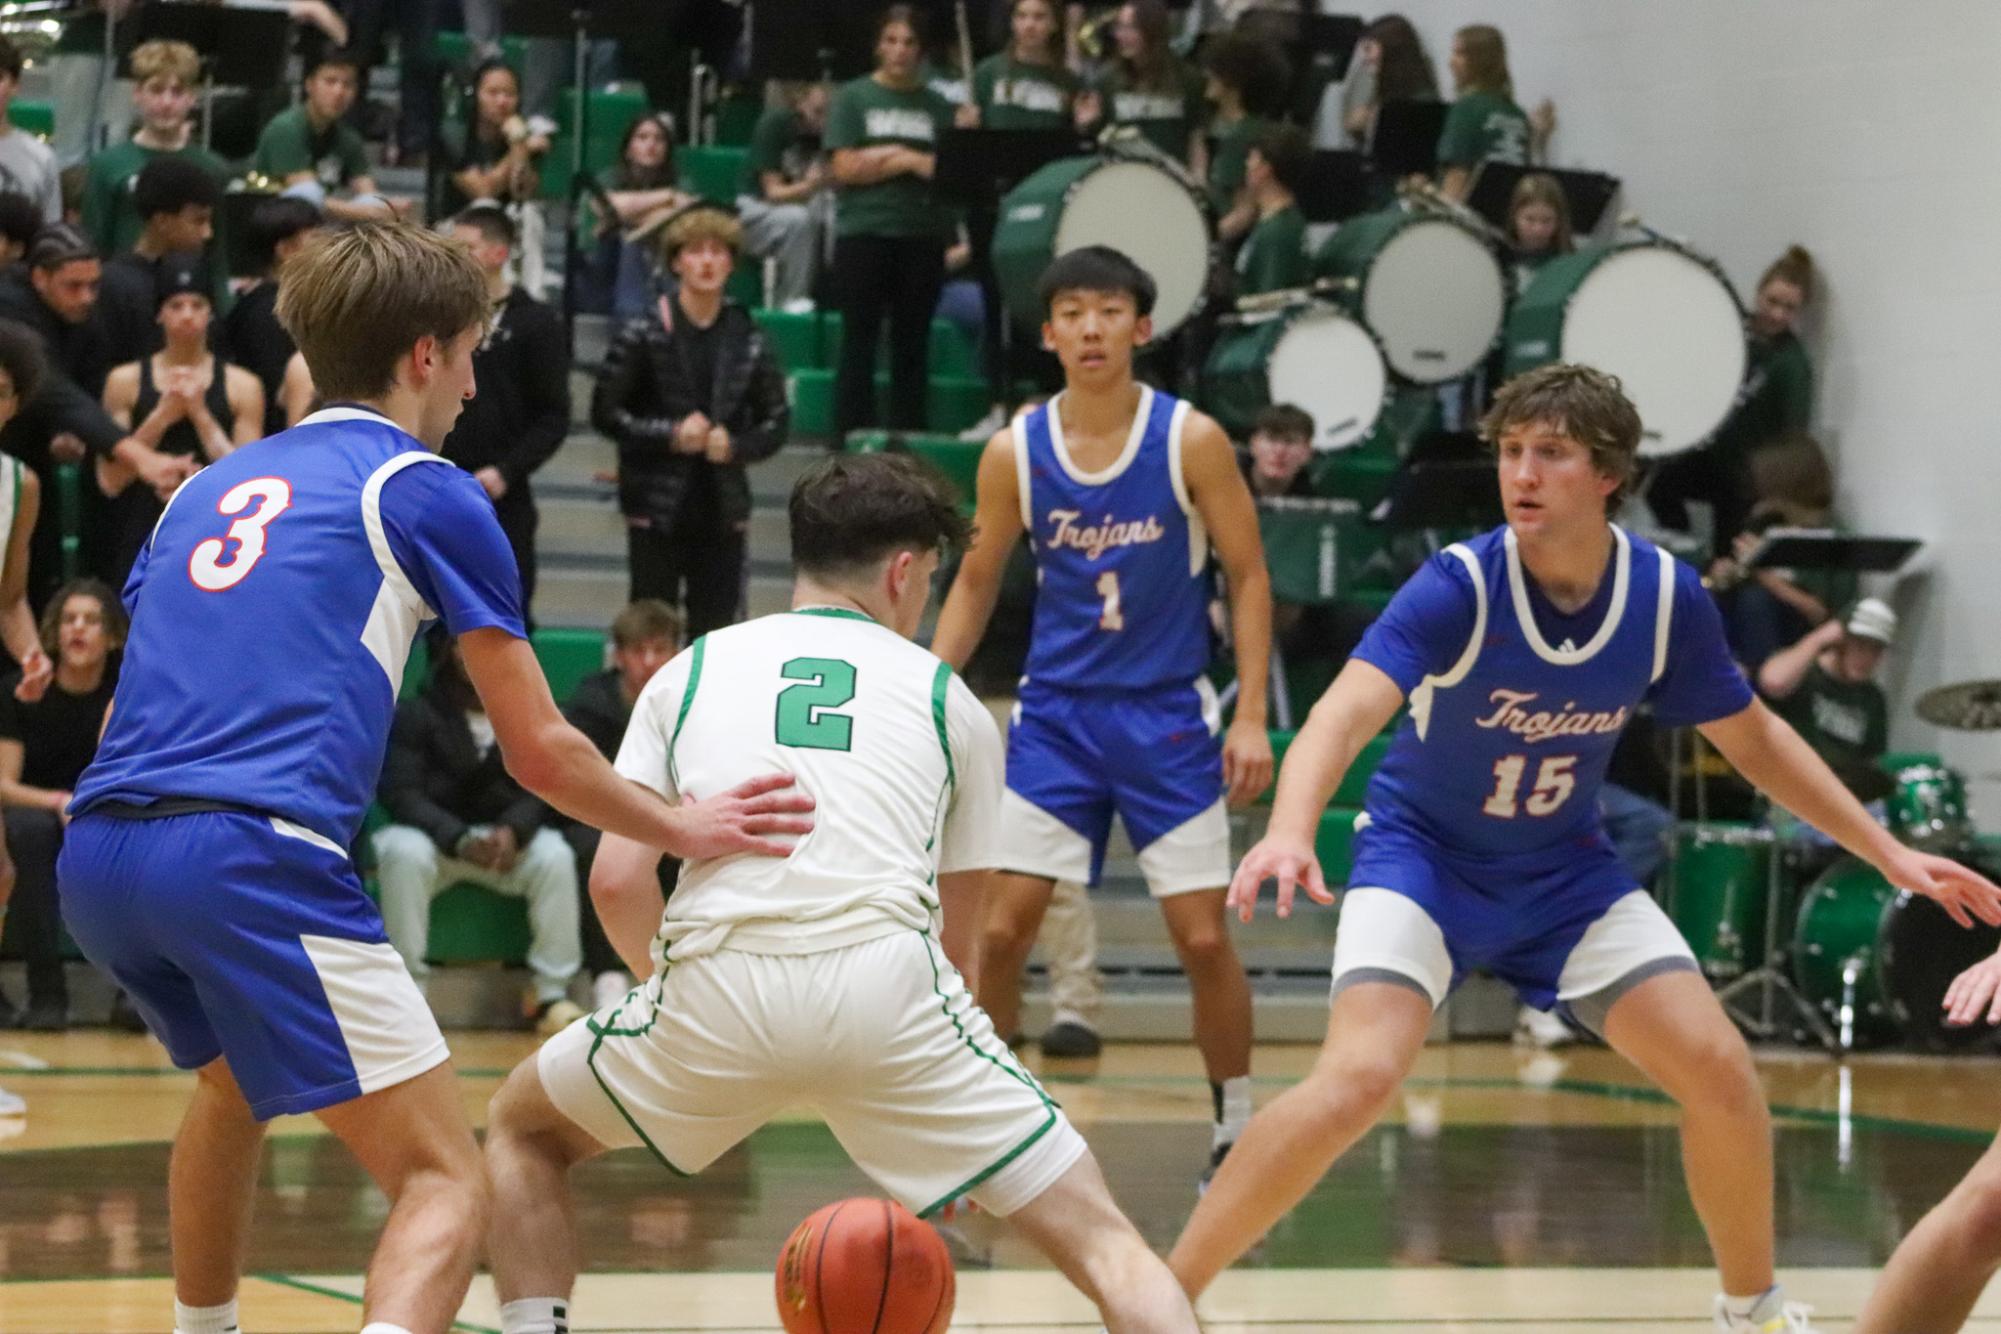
<point x="904" y="763"/>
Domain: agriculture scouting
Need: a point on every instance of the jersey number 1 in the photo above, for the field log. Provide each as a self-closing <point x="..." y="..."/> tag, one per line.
<point x="1553" y="785"/>
<point x="806" y="716"/>
<point x="1111" y="618"/>
<point x="205" y="564"/>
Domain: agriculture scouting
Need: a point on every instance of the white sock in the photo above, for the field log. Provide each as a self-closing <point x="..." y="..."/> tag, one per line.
<point x="205" y="1319"/>
<point x="383" y="1327"/>
<point x="534" y="1315"/>
<point x="1233" y="1109"/>
<point x="1747" y="1308"/>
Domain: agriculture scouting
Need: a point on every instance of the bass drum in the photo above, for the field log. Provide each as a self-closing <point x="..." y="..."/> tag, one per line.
<point x="1722" y="879"/>
<point x="1311" y="356"/>
<point x="1889" y="953"/>
<point x="1428" y="286"/>
<point x="1139" y="207"/>
<point x="1658" y="316"/>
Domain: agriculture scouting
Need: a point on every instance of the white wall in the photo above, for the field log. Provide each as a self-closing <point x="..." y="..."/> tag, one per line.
<point x="1870" y="132"/>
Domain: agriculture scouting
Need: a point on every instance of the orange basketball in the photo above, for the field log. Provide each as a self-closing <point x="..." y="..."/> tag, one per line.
<point x="865" y="1265"/>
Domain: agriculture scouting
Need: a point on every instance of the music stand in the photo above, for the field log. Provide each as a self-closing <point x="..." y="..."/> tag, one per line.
<point x="1325" y="48"/>
<point x="979" y="166"/>
<point x="1405" y="140"/>
<point x="1339" y="184"/>
<point x="242" y="48"/>
<point x="1825" y="549"/>
<point x="1588" y="193"/>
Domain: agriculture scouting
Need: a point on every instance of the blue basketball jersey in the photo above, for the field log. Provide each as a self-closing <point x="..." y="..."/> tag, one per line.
<point x="273" y="612"/>
<point x="1515" y="706"/>
<point x="1122" y="561"/>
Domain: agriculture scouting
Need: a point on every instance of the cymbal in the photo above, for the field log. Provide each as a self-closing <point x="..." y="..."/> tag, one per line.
<point x="1973" y="706"/>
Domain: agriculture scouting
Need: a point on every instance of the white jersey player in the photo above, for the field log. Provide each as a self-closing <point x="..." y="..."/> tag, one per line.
<point x="829" y="980"/>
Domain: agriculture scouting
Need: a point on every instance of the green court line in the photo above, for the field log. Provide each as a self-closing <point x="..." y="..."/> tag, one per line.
<point x="287" y="1281"/>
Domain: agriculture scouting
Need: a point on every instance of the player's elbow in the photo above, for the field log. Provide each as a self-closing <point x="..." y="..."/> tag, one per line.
<point x="535" y="760"/>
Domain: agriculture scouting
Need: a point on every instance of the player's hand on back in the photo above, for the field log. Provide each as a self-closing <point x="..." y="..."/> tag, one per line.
<point x="1278" y="857"/>
<point x="755" y="817"/>
<point x="1975" y="994"/>
<point x="1963" y="893"/>
<point x="1247" y="762"/>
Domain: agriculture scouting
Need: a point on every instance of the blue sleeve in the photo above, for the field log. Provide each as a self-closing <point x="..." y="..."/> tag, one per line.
<point x="1701" y="681"/>
<point x="443" y="532"/>
<point x="1425" y="628"/>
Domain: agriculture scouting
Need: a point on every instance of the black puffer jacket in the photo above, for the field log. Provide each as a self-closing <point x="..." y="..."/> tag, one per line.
<point x="645" y="390"/>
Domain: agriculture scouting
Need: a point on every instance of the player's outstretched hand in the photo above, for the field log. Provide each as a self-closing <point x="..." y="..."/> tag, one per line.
<point x="1247" y="763"/>
<point x="1974" y="993"/>
<point x="748" y="818"/>
<point x="1962" y="892"/>
<point x="1285" y="860"/>
<point x="36" y="674"/>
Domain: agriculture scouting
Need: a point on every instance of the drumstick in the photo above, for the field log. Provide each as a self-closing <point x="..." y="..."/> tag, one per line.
<point x="965" y="43"/>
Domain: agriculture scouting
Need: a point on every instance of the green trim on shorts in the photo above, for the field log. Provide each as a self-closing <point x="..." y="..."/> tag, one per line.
<point x="687" y="702"/>
<point x="591" y="1063"/>
<point x="1010" y="1067"/>
<point x="941" y="682"/>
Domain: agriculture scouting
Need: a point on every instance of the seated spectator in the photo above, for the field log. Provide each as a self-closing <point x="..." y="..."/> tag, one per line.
<point x="1246" y="82"/>
<point x="1538" y="226"/>
<point x="168" y="79"/>
<point x="1825" y="686"/>
<point x="788" y="212"/>
<point x="518" y="419"/>
<point x="690" y="397"/>
<point x="27" y="165"/>
<point x="1390" y="65"/>
<point x="45" y="744"/>
<point x="1766" y="609"/>
<point x="1484" y="124"/>
<point x="1281" y="446"/>
<point x="494" y="156"/>
<point x="457" y="815"/>
<point x="640" y="187"/>
<point x="20" y="220"/>
<point x="23" y="370"/>
<point x="1273" y="257"/>
<point x="176" y="202"/>
<point x="252" y="337"/>
<point x="184" y="401"/>
<point x="310" y="151"/>
<point x="644" y="637"/>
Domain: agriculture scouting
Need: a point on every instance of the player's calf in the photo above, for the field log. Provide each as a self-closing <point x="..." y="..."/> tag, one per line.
<point x="531" y="1242"/>
<point x="1078" y="1226"/>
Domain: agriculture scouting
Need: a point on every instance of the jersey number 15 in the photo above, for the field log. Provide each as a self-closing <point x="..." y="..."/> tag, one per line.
<point x="1553" y="785"/>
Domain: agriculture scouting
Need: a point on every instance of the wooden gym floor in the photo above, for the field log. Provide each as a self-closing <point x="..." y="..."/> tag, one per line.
<point x="1511" y="1191"/>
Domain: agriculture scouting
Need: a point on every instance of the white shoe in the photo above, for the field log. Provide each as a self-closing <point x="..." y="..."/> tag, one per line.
<point x="12" y="1104"/>
<point x="1788" y="1318"/>
<point x="995" y="419"/>
<point x="609" y="987"/>
<point x="1541" y="1028"/>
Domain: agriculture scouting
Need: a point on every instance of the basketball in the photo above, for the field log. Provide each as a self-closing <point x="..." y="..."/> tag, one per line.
<point x="864" y="1265"/>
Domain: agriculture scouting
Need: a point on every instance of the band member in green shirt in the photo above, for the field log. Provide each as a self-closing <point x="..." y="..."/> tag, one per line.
<point x="890" y="230"/>
<point x="1538" y="226"/>
<point x="1274" y="255"/>
<point x="1027" y="86"/>
<point x="1247" y="80"/>
<point x="1147" y="87"/>
<point x="786" y="208"/>
<point x="1485" y="124"/>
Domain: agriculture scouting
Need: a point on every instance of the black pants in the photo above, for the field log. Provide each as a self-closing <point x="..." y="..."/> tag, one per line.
<point x="519" y="519"/>
<point x="34" y="918"/>
<point x="1707" y="474"/>
<point x="416" y="23"/>
<point x="876" y="278"/>
<point x="599" y="956"/>
<point x="698" y="567"/>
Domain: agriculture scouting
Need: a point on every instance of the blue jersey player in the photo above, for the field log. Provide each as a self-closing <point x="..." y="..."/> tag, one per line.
<point x="1122" y="492"/>
<point x="1521" y="654"/>
<point x="206" y="868"/>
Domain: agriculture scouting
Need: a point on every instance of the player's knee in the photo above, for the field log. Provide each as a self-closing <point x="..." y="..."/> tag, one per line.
<point x="401" y="848"/>
<point x="1977" y="1201"/>
<point x="1204" y="946"/>
<point x="1353" y="1078"/>
<point x="1717" y="1072"/>
<point x="1005" y="940"/>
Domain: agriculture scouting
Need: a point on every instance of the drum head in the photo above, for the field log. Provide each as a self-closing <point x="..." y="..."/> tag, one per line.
<point x="1923" y="951"/>
<point x="1435" y="296"/>
<point x="1329" y="365"/>
<point x="1145" y="212"/>
<point x="1669" y="327"/>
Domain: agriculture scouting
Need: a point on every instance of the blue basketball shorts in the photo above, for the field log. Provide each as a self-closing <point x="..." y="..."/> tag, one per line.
<point x="1154" y="758"/>
<point x="251" y="938"/>
<point x="1556" y="930"/>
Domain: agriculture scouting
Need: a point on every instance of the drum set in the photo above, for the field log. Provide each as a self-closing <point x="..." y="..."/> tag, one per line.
<point x="1806" y="943"/>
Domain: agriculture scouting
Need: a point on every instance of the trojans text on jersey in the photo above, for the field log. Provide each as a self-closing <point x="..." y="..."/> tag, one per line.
<point x="1511" y="714"/>
<point x="1094" y="540"/>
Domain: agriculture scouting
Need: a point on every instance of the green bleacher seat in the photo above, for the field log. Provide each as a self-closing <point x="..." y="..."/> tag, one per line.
<point x="38" y="118"/>
<point x="954" y="402"/>
<point x="568" y="656"/>
<point x="796" y="337"/>
<point x="713" y="171"/>
<point x="746" y="285"/>
<point x="958" y="459"/>
<point x="812" y="402"/>
<point x="473" y="924"/>
<point x="1335" y="843"/>
<point x="736" y="118"/>
<point x="1353" y="474"/>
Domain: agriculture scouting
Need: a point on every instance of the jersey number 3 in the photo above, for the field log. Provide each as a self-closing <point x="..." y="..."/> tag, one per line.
<point x="1553" y="785"/>
<point x="206" y="566"/>
<point x="806" y="717"/>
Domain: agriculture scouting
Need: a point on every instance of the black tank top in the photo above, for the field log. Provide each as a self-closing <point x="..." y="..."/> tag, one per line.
<point x="181" y="438"/>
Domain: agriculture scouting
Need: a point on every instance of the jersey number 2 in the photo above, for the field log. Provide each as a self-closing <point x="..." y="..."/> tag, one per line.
<point x="206" y="566"/>
<point x="806" y="716"/>
<point x="1553" y="785"/>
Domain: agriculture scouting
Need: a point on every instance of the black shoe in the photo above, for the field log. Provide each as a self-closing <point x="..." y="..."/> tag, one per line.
<point x="1071" y="1040"/>
<point x="9" y="1016"/>
<point x="1216" y="1157"/>
<point x="124" y="1017"/>
<point x="46" y="1016"/>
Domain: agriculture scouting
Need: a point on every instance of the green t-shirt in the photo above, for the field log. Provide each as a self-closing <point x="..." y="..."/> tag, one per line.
<point x="781" y="143"/>
<point x="1775" y="400"/>
<point x="335" y="155"/>
<point x="1229" y="149"/>
<point x="1845" y="722"/>
<point x="1274" y="254"/>
<point x="1014" y="95"/>
<point x="1168" y="117"/>
<point x="109" y="218"/>
<point x="1484" y="127"/>
<point x="864" y="115"/>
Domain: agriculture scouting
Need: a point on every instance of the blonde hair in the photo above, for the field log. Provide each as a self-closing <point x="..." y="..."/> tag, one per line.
<point x="162" y="59"/>
<point x="1796" y="267"/>
<point x="1486" y="59"/>
<point x="1539" y="187"/>
<point x="701" y="224"/>
<point x="356" y="299"/>
<point x="1583" y="403"/>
